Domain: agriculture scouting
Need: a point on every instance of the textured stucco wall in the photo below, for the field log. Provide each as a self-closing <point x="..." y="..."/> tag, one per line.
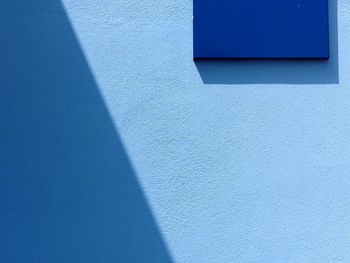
<point x="238" y="161"/>
<point x="233" y="173"/>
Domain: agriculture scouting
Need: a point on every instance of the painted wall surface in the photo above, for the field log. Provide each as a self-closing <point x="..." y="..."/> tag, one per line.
<point x="116" y="147"/>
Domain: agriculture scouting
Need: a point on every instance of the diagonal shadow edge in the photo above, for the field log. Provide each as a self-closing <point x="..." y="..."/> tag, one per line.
<point x="68" y="191"/>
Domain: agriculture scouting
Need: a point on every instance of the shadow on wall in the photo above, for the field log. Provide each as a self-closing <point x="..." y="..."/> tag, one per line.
<point x="276" y="71"/>
<point x="67" y="190"/>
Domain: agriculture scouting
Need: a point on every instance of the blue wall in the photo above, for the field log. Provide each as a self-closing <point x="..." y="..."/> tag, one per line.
<point x="117" y="147"/>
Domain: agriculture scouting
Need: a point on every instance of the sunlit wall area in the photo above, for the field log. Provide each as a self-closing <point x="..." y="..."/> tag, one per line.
<point x="116" y="146"/>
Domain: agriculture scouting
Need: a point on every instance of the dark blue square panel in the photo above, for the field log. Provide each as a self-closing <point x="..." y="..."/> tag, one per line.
<point x="261" y="29"/>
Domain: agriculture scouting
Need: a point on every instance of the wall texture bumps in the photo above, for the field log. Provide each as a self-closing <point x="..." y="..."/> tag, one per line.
<point x="236" y="161"/>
